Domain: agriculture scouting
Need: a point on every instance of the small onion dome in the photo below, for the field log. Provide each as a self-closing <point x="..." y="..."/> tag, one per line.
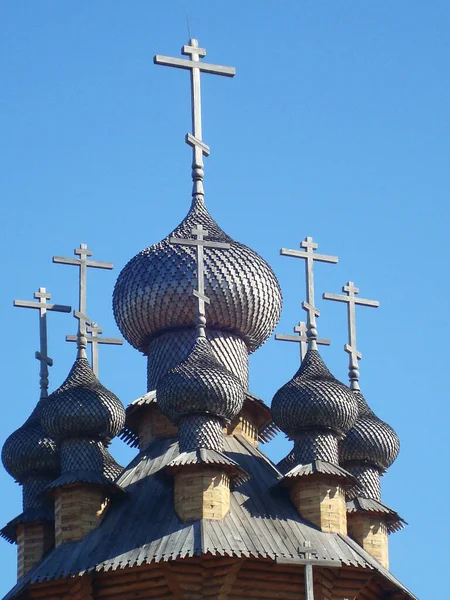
<point x="200" y="385"/>
<point x="29" y="450"/>
<point x="83" y="407"/>
<point x="153" y="293"/>
<point x="370" y="440"/>
<point x="314" y="398"/>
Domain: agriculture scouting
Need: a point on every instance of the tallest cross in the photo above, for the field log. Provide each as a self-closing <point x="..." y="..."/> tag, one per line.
<point x="195" y="138"/>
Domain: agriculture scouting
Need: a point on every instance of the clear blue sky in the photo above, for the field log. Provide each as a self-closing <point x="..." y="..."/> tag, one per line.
<point x="336" y="126"/>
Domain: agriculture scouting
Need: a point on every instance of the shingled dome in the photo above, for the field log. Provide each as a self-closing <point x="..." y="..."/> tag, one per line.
<point x="200" y="385"/>
<point x="29" y="450"/>
<point x="370" y="440"/>
<point x="153" y="293"/>
<point x="314" y="398"/>
<point x="83" y="407"/>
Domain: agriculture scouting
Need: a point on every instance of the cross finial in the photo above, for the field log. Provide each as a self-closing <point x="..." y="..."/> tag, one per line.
<point x="310" y="256"/>
<point x="199" y="242"/>
<point x="350" y="348"/>
<point x="301" y="338"/>
<point x="43" y="306"/>
<point x="95" y="340"/>
<point x="199" y="149"/>
<point x="83" y="263"/>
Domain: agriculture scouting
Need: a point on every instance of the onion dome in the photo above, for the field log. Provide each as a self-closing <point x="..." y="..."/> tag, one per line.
<point x="31" y="456"/>
<point x="314" y="398"/>
<point x="83" y="416"/>
<point x="370" y="440"/>
<point x="153" y="293"/>
<point x="201" y="395"/>
<point x="83" y="407"/>
<point x="200" y="385"/>
<point x="29" y="450"/>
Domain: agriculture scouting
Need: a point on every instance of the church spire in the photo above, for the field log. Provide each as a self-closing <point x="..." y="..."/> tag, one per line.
<point x="195" y="139"/>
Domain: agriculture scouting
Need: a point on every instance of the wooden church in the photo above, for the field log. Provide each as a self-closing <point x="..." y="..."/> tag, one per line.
<point x="201" y="512"/>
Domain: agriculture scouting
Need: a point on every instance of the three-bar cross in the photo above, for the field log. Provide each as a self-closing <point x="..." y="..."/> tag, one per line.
<point x="301" y="338"/>
<point x="95" y="340"/>
<point x="43" y="306"/>
<point x="83" y="262"/>
<point x="350" y="348"/>
<point x="194" y="65"/>
<point x="310" y="256"/>
<point x="200" y="243"/>
<point x="306" y="550"/>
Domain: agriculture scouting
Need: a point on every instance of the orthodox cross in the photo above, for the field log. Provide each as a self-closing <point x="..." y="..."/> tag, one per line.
<point x="301" y="338"/>
<point x="83" y="263"/>
<point x="199" y="149"/>
<point x="200" y="243"/>
<point x="306" y="550"/>
<point x="350" y="348"/>
<point x="310" y="256"/>
<point x="43" y="306"/>
<point x="94" y="340"/>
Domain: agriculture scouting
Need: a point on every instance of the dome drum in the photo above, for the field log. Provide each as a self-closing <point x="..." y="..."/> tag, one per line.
<point x="201" y="431"/>
<point x="314" y="444"/>
<point x="172" y="347"/>
<point x="33" y="492"/>
<point x="368" y="476"/>
<point x="82" y="453"/>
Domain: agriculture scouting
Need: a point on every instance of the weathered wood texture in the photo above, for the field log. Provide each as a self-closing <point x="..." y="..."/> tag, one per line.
<point x="34" y="540"/>
<point x="78" y="510"/>
<point x="321" y="501"/>
<point x="218" y="578"/>
<point x="370" y="532"/>
<point x="153" y="424"/>
<point x="244" y="424"/>
<point x="201" y="493"/>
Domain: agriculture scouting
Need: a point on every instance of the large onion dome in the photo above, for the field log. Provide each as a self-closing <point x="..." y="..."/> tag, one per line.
<point x="370" y="440"/>
<point x="83" y="407"/>
<point x="153" y="293"/>
<point x="314" y="398"/>
<point x="29" y="450"/>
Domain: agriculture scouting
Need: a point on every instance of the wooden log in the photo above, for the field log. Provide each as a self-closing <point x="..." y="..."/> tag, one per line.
<point x="134" y="586"/>
<point x="115" y="580"/>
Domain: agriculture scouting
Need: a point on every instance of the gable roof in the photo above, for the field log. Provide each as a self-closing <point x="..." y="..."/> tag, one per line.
<point x="142" y="526"/>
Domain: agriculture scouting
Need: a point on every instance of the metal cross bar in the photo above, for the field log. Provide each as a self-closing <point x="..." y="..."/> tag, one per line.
<point x="308" y="563"/>
<point x="42" y="355"/>
<point x="95" y="340"/>
<point x="194" y="65"/>
<point x="83" y="263"/>
<point x="309" y="256"/>
<point x="199" y="242"/>
<point x="350" y="348"/>
<point x="301" y="339"/>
